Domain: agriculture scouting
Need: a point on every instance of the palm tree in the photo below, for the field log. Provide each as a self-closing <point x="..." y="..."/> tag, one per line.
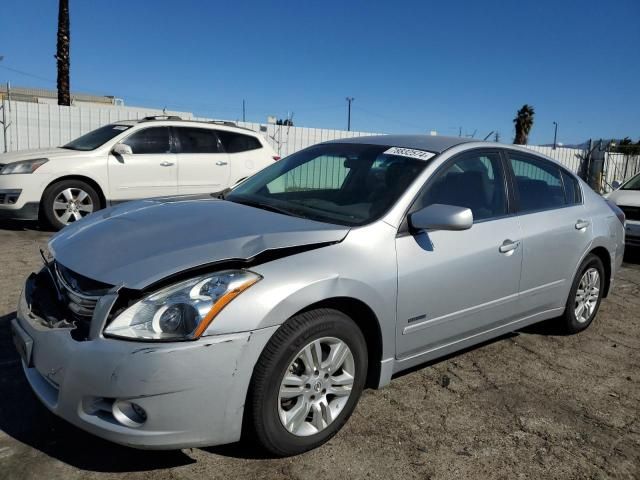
<point x="62" y="53"/>
<point x="524" y="124"/>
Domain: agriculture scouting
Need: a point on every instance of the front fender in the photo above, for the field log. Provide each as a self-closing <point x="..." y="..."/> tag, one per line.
<point x="346" y="269"/>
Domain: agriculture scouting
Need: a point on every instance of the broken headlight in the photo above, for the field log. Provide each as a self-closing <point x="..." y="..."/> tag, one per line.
<point x="182" y="311"/>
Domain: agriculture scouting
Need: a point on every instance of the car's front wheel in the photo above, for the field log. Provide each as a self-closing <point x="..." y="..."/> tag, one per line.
<point x="307" y="382"/>
<point x="68" y="201"/>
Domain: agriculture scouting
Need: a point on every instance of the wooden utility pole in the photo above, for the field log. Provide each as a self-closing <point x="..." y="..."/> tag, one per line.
<point x="62" y="53"/>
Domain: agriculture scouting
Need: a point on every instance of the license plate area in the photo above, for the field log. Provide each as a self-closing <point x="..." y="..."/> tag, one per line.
<point x="22" y="341"/>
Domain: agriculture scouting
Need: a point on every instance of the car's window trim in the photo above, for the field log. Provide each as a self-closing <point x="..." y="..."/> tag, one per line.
<point x="178" y="147"/>
<point x="245" y="134"/>
<point x="171" y="139"/>
<point x="404" y="230"/>
<point x="537" y="158"/>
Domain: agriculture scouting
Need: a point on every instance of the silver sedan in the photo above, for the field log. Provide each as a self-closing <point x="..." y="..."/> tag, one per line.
<point x="175" y="322"/>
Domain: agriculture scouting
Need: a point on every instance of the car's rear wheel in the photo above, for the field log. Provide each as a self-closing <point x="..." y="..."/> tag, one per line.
<point x="307" y="382"/>
<point x="585" y="296"/>
<point x="68" y="201"/>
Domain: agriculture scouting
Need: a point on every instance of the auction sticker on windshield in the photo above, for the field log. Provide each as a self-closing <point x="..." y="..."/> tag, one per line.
<point x="410" y="152"/>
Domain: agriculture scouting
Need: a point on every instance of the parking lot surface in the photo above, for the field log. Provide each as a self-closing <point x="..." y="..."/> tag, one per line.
<point x="530" y="405"/>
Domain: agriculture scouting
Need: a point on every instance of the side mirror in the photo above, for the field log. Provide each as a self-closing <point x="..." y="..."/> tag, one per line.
<point x="122" y="149"/>
<point x="441" y="217"/>
<point x="615" y="184"/>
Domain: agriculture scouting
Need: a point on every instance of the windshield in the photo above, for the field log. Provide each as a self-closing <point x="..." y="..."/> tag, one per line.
<point x="633" y="184"/>
<point x="96" y="138"/>
<point x="346" y="184"/>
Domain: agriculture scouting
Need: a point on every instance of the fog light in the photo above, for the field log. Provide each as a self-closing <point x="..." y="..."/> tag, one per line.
<point x="128" y="413"/>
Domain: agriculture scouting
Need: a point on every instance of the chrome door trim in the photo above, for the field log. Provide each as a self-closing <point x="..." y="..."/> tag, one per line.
<point x="477" y="308"/>
<point x="484" y="332"/>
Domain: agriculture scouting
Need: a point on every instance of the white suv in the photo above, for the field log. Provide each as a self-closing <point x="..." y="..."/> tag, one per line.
<point x="127" y="160"/>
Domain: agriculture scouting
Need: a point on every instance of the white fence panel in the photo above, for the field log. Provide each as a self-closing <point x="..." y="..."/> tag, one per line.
<point x="44" y="125"/>
<point x="568" y="157"/>
<point x="48" y="125"/>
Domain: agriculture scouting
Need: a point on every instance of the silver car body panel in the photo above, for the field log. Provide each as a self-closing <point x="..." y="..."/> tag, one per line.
<point x="139" y="243"/>
<point x="431" y="294"/>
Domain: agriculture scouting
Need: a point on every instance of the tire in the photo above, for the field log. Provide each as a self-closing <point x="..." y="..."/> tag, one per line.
<point x="266" y="411"/>
<point x="571" y="322"/>
<point x="80" y="197"/>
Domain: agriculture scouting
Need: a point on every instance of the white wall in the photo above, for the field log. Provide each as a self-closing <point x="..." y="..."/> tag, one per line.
<point x="44" y="125"/>
<point x="35" y="125"/>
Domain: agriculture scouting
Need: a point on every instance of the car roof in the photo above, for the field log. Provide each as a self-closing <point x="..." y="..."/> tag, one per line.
<point x="177" y="121"/>
<point x="431" y="143"/>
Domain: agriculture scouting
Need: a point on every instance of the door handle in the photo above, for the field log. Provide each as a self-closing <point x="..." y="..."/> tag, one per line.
<point x="166" y="164"/>
<point x="221" y="162"/>
<point x="509" y="246"/>
<point x="582" y="224"/>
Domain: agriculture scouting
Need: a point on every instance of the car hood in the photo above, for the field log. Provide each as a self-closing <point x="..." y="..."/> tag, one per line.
<point x="49" y="153"/>
<point x="629" y="198"/>
<point x="139" y="243"/>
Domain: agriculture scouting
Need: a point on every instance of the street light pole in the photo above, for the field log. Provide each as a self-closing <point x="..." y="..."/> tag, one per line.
<point x="555" y="135"/>
<point x="349" y="100"/>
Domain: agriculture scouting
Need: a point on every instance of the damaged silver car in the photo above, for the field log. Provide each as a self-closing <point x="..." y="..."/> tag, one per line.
<point x="264" y="311"/>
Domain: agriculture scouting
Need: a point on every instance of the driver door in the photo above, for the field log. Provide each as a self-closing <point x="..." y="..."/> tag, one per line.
<point x="150" y="171"/>
<point x="454" y="285"/>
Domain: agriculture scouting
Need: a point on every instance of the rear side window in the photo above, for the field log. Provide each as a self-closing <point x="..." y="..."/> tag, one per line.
<point x="571" y="189"/>
<point x="538" y="183"/>
<point x="149" y="140"/>
<point x="197" y="140"/>
<point x="237" y="142"/>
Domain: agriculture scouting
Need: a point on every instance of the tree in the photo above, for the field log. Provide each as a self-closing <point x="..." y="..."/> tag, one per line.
<point x="626" y="146"/>
<point x="524" y="124"/>
<point x="62" y="53"/>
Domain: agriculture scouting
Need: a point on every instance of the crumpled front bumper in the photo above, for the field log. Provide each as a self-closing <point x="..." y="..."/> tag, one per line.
<point x="193" y="393"/>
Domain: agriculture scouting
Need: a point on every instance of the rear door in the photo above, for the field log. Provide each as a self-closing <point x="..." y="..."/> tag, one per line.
<point x="555" y="230"/>
<point x="453" y="285"/>
<point x="204" y="166"/>
<point x="150" y="171"/>
<point x="246" y="153"/>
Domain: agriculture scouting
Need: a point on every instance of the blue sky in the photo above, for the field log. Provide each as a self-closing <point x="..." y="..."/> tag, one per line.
<point x="412" y="66"/>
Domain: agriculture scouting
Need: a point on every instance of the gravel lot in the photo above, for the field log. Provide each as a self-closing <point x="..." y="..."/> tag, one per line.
<point x="531" y="405"/>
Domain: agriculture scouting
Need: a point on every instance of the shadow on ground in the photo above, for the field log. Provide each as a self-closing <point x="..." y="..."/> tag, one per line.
<point x="21" y="226"/>
<point x="24" y="418"/>
<point x="632" y="255"/>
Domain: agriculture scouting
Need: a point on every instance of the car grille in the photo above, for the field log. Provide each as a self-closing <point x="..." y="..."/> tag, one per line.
<point x="81" y="294"/>
<point x="631" y="213"/>
<point x="2" y="197"/>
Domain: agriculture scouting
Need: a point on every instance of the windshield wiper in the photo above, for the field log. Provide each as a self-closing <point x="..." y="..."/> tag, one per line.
<point x="221" y="193"/>
<point x="265" y="206"/>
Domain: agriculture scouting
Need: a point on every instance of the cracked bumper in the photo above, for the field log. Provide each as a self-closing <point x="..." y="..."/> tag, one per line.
<point x="193" y="393"/>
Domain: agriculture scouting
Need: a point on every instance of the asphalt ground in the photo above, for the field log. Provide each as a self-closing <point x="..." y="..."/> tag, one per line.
<point x="532" y="405"/>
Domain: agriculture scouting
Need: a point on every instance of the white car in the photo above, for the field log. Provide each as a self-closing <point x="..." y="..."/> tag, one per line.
<point x="126" y="160"/>
<point x="627" y="197"/>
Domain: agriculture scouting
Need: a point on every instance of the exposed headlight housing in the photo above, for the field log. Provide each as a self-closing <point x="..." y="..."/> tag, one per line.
<point x="182" y="311"/>
<point x="24" y="166"/>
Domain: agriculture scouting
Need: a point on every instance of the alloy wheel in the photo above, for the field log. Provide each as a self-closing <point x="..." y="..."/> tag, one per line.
<point x="71" y="205"/>
<point x="587" y="295"/>
<point x="316" y="386"/>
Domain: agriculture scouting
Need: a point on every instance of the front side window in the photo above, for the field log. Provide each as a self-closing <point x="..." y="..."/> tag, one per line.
<point x="149" y="141"/>
<point x="346" y="184"/>
<point x="474" y="181"/>
<point x="236" y="142"/>
<point x="197" y="140"/>
<point x="538" y="183"/>
<point x="96" y="138"/>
